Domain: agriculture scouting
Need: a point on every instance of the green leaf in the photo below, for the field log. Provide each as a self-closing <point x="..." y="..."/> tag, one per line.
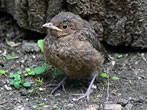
<point x="28" y="69"/>
<point x="8" y="57"/>
<point x="104" y="75"/>
<point x="40" y="44"/>
<point x="17" y="84"/>
<point x="34" y="106"/>
<point x="55" y="107"/>
<point x="40" y="69"/>
<point x="17" y="77"/>
<point x="3" y="72"/>
<point x="31" y="73"/>
<point x="39" y="80"/>
<point x="27" y="84"/>
<point x="12" y="75"/>
<point x="18" y="72"/>
<point x="115" y="78"/>
<point x="12" y="44"/>
<point x="12" y="82"/>
<point x="119" y="56"/>
<point x="26" y="74"/>
<point x="41" y="104"/>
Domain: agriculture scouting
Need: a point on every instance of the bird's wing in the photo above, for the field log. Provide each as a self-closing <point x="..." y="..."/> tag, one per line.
<point x="88" y="34"/>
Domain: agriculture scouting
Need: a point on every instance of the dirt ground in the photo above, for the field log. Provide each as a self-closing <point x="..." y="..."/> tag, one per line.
<point x="130" y="91"/>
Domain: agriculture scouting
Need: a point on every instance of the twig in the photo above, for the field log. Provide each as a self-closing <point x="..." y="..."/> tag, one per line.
<point x="107" y="98"/>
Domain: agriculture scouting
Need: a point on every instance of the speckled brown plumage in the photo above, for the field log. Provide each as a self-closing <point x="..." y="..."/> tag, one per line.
<point x="72" y="46"/>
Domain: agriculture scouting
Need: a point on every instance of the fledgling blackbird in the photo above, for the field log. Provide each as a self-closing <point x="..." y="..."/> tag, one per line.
<point x="72" y="46"/>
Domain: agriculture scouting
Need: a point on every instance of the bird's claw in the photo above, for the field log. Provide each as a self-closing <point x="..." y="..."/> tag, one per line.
<point x="88" y="92"/>
<point x="86" y="95"/>
<point x="58" y="85"/>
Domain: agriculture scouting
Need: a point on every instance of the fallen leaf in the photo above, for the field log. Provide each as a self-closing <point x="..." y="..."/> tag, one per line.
<point x="12" y="44"/>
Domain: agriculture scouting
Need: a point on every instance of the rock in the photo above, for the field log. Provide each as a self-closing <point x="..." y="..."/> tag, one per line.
<point x="30" y="47"/>
<point x="46" y="106"/>
<point x="41" y="89"/>
<point x="137" y="100"/>
<point x="122" y="101"/>
<point x="57" y="94"/>
<point x="19" y="107"/>
<point x="7" y="88"/>
<point x="23" y="92"/>
<point x="117" y="22"/>
<point x="10" y="34"/>
<point x="93" y="107"/>
<point x="94" y="86"/>
<point x="128" y="106"/>
<point x="70" y="105"/>
<point x="112" y="107"/>
<point x="74" y="99"/>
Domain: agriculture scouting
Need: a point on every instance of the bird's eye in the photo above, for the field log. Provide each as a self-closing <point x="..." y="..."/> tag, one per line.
<point x="64" y="26"/>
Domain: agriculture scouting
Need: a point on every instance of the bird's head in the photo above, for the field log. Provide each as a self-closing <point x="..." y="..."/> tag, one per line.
<point x="64" y="24"/>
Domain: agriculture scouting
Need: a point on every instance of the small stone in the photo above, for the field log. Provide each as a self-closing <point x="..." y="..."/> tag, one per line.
<point x="136" y="62"/>
<point x="44" y="99"/>
<point x="46" y="106"/>
<point x="113" y="107"/>
<point x="10" y="34"/>
<point x="1" y="89"/>
<point x="122" y="101"/>
<point x="113" y="63"/>
<point x="33" y="56"/>
<point x="93" y="107"/>
<point x="58" y="94"/>
<point x="142" y="54"/>
<point x="19" y="107"/>
<point x="7" y="81"/>
<point x="30" y="47"/>
<point x="94" y="86"/>
<point x="119" y="94"/>
<point x="23" y="92"/>
<point x="22" y="61"/>
<point x="128" y="106"/>
<point x="70" y="105"/>
<point x="74" y="99"/>
<point x="7" y="88"/>
<point x="41" y="89"/>
<point x="137" y="100"/>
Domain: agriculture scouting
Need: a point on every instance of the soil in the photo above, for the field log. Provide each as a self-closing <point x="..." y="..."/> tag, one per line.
<point x="130" y="91"/>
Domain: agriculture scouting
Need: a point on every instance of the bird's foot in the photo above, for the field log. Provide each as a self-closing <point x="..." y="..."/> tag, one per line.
<point x="88" y="92"/>
<point x="86" y="95"/>
<point x="58" y="85"/>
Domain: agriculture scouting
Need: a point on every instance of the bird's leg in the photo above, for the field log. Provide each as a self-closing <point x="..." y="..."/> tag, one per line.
<point x="88" y="92"/>
<point x="58" y="85"/>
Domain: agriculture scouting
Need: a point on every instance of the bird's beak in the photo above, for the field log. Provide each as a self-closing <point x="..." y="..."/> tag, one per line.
<point x="51" y="26"/>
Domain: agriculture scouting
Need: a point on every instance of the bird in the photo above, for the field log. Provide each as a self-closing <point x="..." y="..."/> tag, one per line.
<point x="72" y="46"/>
